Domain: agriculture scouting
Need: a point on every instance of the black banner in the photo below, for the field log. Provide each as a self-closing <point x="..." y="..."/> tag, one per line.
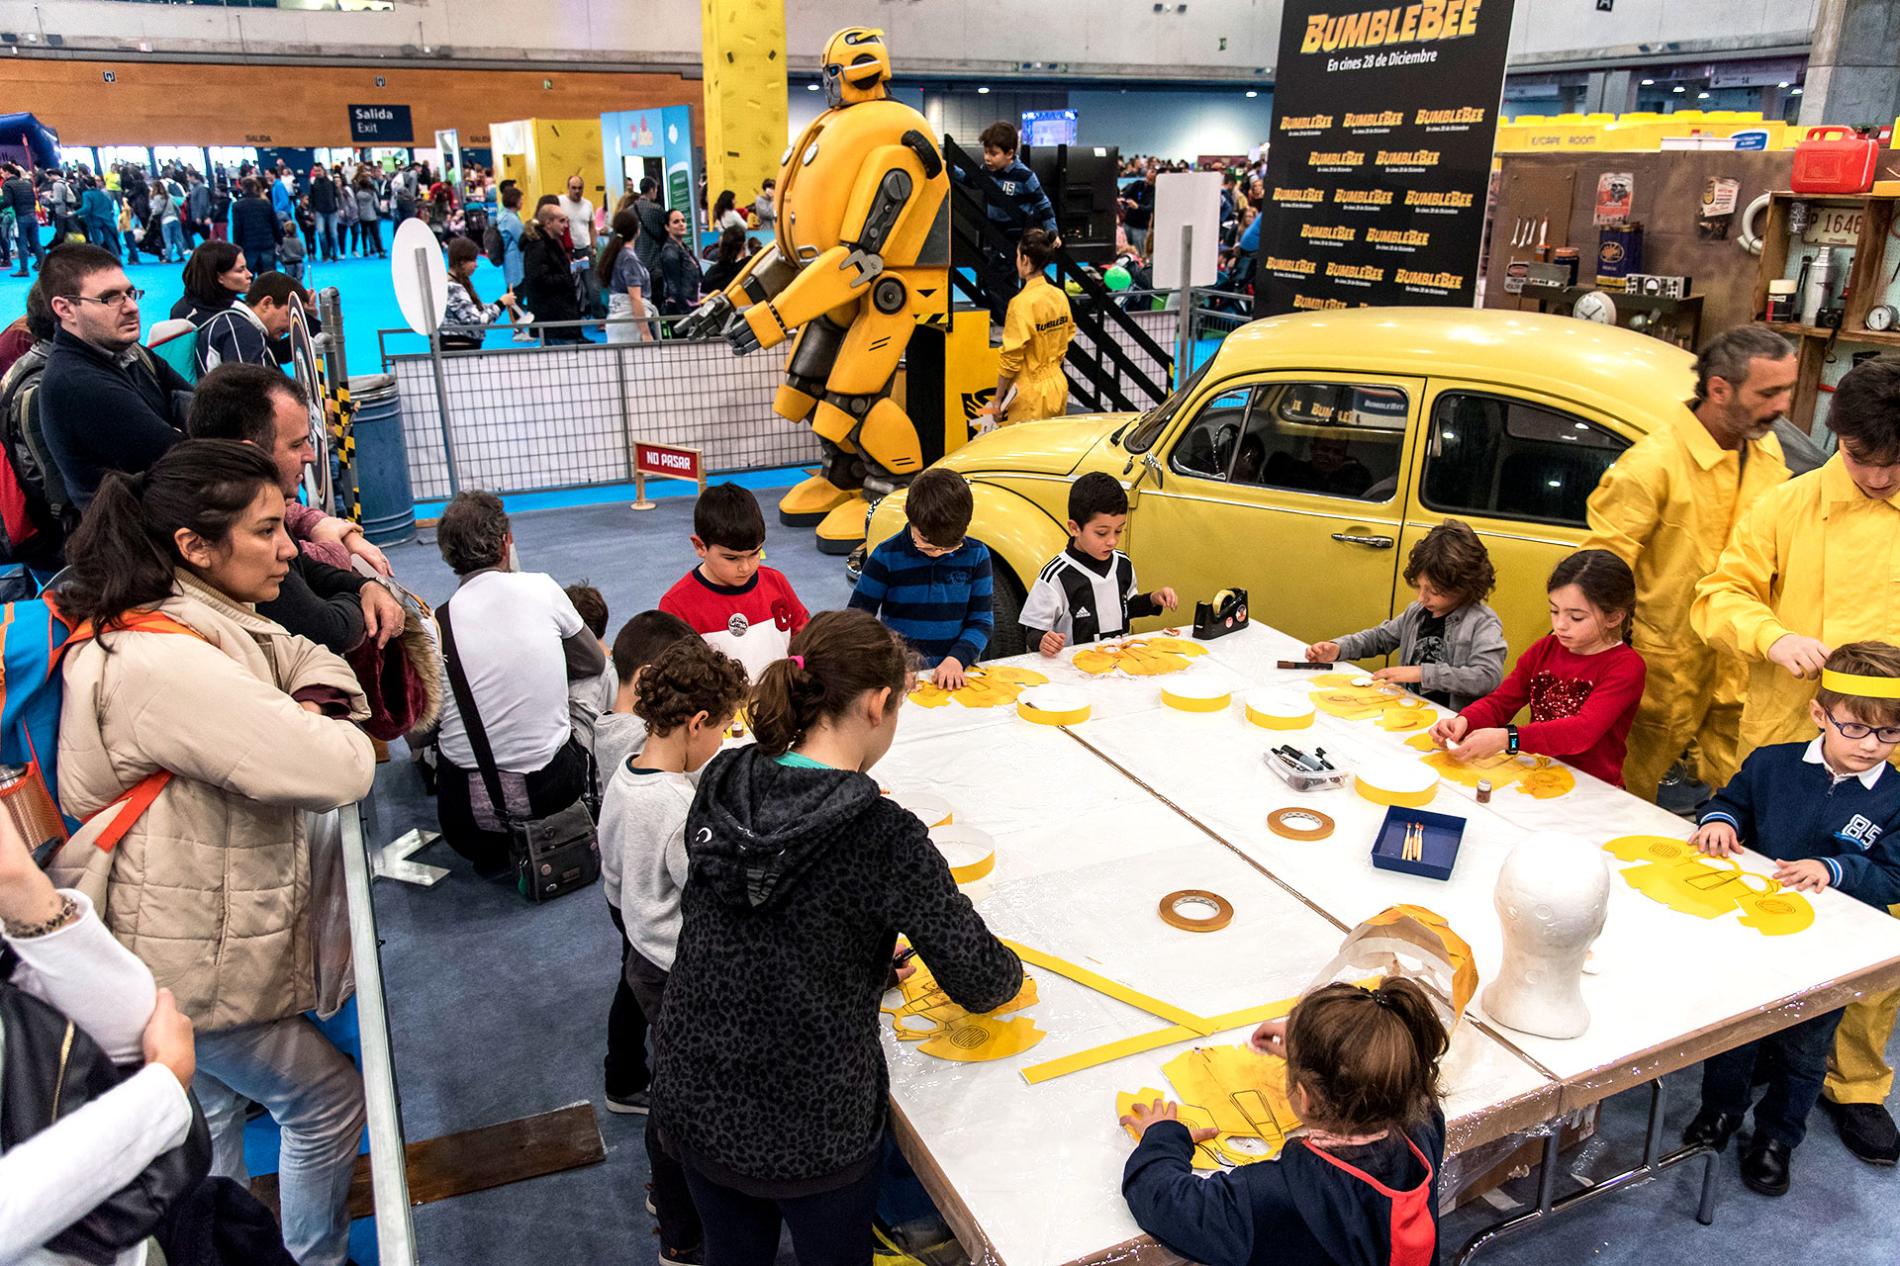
<point x="1384" y="120"/>
<point x="385" y="124"/>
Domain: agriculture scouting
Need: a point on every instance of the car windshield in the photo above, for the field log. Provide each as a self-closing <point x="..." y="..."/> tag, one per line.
<point x="1150" y="425"/>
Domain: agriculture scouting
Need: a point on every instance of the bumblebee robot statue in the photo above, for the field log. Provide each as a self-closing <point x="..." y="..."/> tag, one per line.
<point x="862" y="255"/>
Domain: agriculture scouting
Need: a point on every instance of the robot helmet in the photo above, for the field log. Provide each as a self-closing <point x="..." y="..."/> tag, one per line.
<point x="857" y="66"/>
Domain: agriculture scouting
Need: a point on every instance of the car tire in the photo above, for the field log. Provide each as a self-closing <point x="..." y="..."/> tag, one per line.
<point x="1006" y="606"/>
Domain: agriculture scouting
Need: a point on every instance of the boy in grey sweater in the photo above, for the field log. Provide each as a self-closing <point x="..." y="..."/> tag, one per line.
<point x="1450" y="644"/>
<point x="688" y="696"/>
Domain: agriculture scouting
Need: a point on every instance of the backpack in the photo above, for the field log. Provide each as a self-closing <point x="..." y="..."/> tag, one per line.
<point x="33" y="636"/>
<point x="33" y="498"/>
<point x="178" y="348"/>
<point x="494" y="247"/>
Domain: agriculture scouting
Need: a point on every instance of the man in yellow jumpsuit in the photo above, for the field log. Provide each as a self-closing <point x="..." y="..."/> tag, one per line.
<point x="1815" y="564"/>
<point x="1037" y="330"/>
<point x="1667" y="508"/>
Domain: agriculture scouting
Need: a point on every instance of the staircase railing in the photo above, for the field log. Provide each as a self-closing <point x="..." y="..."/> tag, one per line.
<point x="1101" y="374"/>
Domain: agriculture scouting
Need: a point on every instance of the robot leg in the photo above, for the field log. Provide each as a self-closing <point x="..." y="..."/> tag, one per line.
<point x="857" y="412"/>
<point x="814" y="353"/>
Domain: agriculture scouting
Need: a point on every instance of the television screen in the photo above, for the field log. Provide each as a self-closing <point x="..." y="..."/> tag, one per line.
<point x="1048" y="127"/>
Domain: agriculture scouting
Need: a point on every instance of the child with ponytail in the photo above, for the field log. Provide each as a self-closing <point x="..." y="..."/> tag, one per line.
<point x="1356" y="1186"/>
<point x="770" y="1085"/>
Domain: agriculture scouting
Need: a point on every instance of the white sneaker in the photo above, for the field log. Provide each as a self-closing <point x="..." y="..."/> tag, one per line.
<point x="522" y="333"/>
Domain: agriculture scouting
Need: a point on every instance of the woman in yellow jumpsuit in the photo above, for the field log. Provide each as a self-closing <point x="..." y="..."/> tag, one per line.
<point x="1036" y="333"/>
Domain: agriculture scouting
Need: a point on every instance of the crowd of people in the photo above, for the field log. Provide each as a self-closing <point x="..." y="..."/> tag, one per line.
<point x="231" y="655"/>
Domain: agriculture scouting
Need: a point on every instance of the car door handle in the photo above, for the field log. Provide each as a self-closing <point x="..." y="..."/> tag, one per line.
<point x="1375" y="542"/>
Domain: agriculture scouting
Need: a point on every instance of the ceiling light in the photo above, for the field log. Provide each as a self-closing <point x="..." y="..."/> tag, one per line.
<point x="1794" y="92"/>
<point x="1252" y="93"/>
<point x="1678" y="88"/>
<point x="811" y="87"/>
<point x="1782" y="84"/>
<point x="1701" y="96"/>
<point x="984" y="91"/>
<point x="1648" y="83"/>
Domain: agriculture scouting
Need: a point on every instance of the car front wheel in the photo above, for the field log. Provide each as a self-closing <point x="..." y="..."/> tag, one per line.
<point x="1006" y="606"/>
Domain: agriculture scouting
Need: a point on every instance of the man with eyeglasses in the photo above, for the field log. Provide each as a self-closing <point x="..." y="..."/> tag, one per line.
<point x="1814" y="565"/>
<point x="105" y="402"/>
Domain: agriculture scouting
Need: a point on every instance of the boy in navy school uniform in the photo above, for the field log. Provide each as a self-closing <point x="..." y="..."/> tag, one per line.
<point x="1828" y="811"/>
<point x="931" y="584"/>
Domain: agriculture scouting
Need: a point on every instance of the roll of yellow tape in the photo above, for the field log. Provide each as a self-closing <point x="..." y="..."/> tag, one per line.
<point x="1053" y="705"/>
<point x="1274" y="710"/>
<point x="1402" y="784"/>
<point x="970" y="853"/>
<point x="1195" y="694"/>
<point x="927" y="807"/>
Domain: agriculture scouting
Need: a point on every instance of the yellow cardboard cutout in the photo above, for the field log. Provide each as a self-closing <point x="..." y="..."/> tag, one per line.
<point x="982" y="688"/>
<point x="1777" y="913"/>
<point x="1139" y="657"/>
<point x="1233" y="1089"/>
<point x="1540" y="777"/>
<point x="1674" y="874"/>
<point x="947" y="1031"/>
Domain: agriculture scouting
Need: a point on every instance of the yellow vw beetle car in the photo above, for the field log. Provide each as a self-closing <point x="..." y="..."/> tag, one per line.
<point x="1307" y="456"/>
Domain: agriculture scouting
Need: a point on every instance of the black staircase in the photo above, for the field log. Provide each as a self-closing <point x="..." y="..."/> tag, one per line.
<point x="1101" y="374"/>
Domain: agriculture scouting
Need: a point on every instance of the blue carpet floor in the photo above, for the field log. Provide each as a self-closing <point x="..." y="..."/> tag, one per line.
<point x="499" y="1012"/>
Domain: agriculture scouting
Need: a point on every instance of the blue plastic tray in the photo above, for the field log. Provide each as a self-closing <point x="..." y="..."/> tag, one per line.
<point x="1443" y="834"/>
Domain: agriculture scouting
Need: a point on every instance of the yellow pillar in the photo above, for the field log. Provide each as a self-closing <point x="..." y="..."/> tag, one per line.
<point x="743" y="43"/>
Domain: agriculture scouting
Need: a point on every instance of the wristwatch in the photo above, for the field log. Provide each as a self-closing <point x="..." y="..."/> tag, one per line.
<point x="1510" y="740"/>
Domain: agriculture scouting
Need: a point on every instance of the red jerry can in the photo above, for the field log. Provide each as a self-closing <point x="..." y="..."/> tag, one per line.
<point x="1835" y="160"/>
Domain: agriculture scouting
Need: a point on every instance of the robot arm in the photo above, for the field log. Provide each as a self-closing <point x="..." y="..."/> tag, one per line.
<point x="763" y="276"/>
<point x="893" y="184"/>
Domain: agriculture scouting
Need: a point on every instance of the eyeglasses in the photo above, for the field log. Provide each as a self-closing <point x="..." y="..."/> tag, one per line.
<point x="1856" y="731"/>
<point x="931" y="548"/>
<point x="112" y="298"/>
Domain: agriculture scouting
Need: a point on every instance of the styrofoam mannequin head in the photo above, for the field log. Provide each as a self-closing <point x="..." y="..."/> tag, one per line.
<point x="1552" y="895"/>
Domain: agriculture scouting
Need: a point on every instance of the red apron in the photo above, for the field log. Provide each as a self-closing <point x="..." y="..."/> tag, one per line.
<point x="1414" y="1234"/>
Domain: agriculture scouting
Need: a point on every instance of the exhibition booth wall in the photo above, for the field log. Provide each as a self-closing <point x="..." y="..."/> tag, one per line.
<point x="203" y="104"/>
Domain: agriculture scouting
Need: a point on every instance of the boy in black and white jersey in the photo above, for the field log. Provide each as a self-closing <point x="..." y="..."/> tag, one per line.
<point x="1087" y="592"/>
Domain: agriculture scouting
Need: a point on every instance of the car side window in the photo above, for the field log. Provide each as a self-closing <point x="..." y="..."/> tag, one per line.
<point x="1333" y="439"/>
<point x="1496" y="457"/>
<point x="1208" y="445"/>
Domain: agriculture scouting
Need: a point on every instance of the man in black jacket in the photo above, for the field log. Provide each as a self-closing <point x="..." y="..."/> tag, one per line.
<point x="254" y="228"/>
<point x="332" y="607"/>
<point x="323" y="206"/>
<point x="18" y="193"/>
<point x="105" y="402"/>
<point x="646" y="247"/>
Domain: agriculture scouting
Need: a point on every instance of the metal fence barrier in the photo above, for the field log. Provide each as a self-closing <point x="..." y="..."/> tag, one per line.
<point x="565" y="415"/>
<point x="534" y="417"/>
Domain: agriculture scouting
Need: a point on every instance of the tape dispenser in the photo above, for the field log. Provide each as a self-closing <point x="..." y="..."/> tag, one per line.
<point x="1227" y="613"/>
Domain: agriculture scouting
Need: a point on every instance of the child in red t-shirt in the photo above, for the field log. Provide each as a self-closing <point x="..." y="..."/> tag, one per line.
<point x="743" y="609"/>
<point x="1582" y="682"/>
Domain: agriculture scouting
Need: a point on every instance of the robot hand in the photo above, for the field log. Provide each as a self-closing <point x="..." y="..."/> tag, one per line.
<point x="741" y="335"/>
<point x="708" y="319"/>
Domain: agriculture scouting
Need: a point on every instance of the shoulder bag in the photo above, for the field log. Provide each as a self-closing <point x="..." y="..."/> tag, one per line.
<point x="553" y="855"/>
<point x="53" y="1069"/>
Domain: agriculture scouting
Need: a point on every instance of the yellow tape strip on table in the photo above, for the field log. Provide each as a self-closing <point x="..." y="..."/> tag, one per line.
<point x="1119" y="992"/>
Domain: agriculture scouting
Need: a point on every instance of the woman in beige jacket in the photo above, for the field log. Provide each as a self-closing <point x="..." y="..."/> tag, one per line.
<point x="256" y="728"/>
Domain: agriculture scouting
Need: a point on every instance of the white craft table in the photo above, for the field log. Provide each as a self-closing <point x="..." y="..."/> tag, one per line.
<point x="1095" y="822"/>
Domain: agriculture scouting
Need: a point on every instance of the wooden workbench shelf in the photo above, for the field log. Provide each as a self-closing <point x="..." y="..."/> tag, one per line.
<point x="1866" y="285"/>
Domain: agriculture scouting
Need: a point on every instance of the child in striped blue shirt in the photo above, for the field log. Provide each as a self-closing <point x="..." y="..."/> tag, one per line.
<point x="930" y="583"/>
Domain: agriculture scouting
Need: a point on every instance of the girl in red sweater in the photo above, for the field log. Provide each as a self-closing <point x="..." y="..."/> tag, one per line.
<point x="1582" y="683"/>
